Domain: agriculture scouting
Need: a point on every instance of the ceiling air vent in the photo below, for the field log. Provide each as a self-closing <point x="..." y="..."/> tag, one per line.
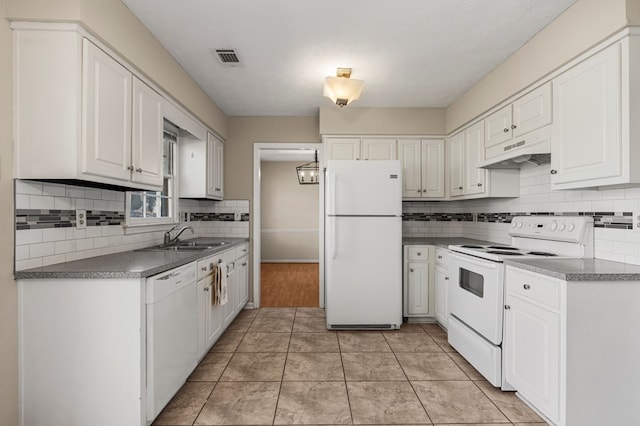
<point x="227" y="57"/>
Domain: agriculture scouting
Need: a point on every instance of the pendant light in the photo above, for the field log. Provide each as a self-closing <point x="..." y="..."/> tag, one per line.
<point x="308" y="172"/>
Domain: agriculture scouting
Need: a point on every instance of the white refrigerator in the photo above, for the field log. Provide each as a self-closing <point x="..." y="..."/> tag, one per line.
<point x="363" y="244"/>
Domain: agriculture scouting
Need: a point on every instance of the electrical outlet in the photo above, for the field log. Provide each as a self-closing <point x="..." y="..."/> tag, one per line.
<point x="236" y="217"/>
<point x="635" y="221"/>
<point x="81" y="219"/>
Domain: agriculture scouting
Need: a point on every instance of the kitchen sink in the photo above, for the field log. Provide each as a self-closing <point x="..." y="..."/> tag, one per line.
<point x="187" y="246"/>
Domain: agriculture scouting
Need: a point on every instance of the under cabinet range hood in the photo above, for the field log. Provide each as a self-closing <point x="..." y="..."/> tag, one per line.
<point x="531" y="148"/>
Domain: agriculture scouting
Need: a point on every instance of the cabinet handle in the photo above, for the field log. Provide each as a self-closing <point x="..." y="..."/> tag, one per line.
<point x="130" y="168"/>
<point x="419" y="254"/>
<point x="554" y="171"/>
<point x="459" y="187"/>
<point x="244" y="264"/>
<point x="507" y="307"/>
<point x="424" y="190"/>
<point x="513" y="126"/>
<point x="204" y="268"/>
<point x="217" y="189"/>
<point x="479" y="184"/>
<point x="139" y="170"/>
<point x="418" y="190"/>
<point x="506" y="130"/>
<point x="206" y="289"/>
<point x="439" y="257"/>
<point x="526" y="286"/>
<point x="410" y="270"/>
<point x="446" y="278"/>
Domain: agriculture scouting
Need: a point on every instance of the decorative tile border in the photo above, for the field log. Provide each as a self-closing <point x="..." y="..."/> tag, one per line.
<point x="43" y="219"/>
<point x="612" y="220"/>
<point x="216" y="217"/>
<point x="438" y="217"/>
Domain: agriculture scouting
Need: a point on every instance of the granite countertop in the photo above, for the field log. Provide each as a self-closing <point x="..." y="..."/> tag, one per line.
<point x="443" y="241"/>
<point x="580" y="269"/>
<point x="128" y="264"/>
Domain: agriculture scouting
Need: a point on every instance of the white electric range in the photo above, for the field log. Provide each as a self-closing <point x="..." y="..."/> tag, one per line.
<point x="476" y="293"/>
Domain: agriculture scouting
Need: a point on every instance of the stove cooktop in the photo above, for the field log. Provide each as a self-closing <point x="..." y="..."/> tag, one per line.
<point x="498" y="253"/>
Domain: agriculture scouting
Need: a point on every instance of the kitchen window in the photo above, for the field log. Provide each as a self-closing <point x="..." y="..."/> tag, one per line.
<point x="157" y="207"/>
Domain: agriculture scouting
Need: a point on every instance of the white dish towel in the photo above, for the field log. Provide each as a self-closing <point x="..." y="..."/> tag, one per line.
<point x="222" y="284"/>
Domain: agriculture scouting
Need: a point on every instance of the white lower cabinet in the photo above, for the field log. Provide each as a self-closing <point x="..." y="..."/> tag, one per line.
<point x="418" y="281"/>
<point x="441" y="286"/>
<point x="570" y="347"/>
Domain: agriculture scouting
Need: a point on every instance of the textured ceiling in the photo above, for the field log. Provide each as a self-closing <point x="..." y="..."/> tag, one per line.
<point x="410" y="53"/>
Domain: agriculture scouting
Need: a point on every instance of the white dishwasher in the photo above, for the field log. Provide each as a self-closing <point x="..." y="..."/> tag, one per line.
<point x="172" y="333"/>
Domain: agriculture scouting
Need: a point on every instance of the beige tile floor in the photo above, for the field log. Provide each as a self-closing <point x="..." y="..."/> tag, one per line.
<point x="280" y="366"/>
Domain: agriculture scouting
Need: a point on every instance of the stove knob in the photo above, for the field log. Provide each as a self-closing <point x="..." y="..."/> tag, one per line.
<point x="571" y="227"/>
<point x="561" y="227"/>
<point x="513" y="224"/>
<point x="554" y="226"/>
<point x="519" y="225"/>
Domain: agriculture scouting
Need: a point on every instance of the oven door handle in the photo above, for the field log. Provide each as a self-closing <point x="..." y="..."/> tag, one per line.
<point x="483" y="263"/>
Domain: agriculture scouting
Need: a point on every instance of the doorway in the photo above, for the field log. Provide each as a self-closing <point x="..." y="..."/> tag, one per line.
<point x="287" y="228"/>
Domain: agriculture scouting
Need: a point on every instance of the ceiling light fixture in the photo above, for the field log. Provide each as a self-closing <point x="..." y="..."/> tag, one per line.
<point x="342" y="90"/>
<point x="308" y="172"/>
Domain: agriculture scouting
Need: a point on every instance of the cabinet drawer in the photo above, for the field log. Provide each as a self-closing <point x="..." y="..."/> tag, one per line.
<point x="442" y="257"/>
<point x="418" y="253"/>
<point x="242" y="251"/>
<point x="534" y="287"/>
<point x="205" y="266"/>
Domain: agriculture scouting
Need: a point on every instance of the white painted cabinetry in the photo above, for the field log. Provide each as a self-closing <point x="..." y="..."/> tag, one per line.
<point x="525" y="114"/>
<point x="210" y="324"/>
<point x="82" y="110"/>
<point x="570" y="347"/>
<point x="594" y="132"/>
<point x="201" y="167"/>
<point x="465" y="152"/>
<point x="360" y="148"/>
<point x="422" y="168"/>
<point x="441" y="278"/>
<point x="418" y="281"/>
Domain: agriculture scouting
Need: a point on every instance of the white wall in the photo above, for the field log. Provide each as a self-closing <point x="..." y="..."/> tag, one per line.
<point x="289" y="214"/>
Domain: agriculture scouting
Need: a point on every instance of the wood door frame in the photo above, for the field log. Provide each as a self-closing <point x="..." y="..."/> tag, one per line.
<point x="258" y="147"/>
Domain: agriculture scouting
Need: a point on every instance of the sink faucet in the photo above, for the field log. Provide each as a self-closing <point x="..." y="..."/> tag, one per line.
<point x="167" y="235"/>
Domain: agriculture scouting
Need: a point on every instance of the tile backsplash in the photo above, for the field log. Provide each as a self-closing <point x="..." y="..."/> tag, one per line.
<point x="46" y="233"/>
<point x="612" y="209"/>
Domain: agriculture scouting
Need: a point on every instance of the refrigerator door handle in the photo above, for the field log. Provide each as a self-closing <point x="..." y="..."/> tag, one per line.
<point x="334" y="250"/>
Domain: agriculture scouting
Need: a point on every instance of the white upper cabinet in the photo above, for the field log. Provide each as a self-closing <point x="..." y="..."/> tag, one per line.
<point x="215" y="167"/>
<point x="590" y="143"/>
<point x="342" y="148"/>
<point x="357" y="148"/>
<point x="465" y="152"/>
<point x="201" y="167"/>
<point x="378" y="149"/>
<point x="475" y="178"/>
<point x="106" y="106"/>
<point x="146" y="152"/>
<point x="82" y="111"/>
<point x="530" y="112"/>
<point x="422" y="168"/>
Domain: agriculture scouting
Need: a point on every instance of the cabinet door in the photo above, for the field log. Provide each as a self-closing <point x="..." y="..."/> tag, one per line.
<point x="106" y="108"/>
<point x="409" y="154"/>
<point x="417" y="291"/>
<point x="342" y="148"/>
<point x="204" y="296"/>
<point x="497" y="127"/>
<point x="214" y="320"/>
<point x="378" y="149"/>
<point x="532" y="111"/>
<point x="215" y="167"/>
<point x="432" y="168"/>
<point x="442" y="310"/>
<point x="586" y="141"/>
<point x="475" y="178"/>
<point x="147" y="145"/>
<point x="532" y="354"/>
<point x="456" y="165"/>
<point x="242" y="284"/>
<point x="229" y="309"/>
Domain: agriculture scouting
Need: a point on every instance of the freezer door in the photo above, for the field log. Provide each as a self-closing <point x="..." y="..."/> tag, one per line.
<point x="363" y="272"/>
<point x="363" y="188"/>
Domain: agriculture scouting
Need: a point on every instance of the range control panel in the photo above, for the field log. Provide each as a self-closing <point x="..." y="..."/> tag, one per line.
<point x="558" y="228"/>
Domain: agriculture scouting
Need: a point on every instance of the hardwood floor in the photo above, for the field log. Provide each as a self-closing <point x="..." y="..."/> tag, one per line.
<point x="289" y="284"/>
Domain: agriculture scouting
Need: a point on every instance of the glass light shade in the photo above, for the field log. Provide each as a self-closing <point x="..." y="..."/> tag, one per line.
<point x="341" y="90"/>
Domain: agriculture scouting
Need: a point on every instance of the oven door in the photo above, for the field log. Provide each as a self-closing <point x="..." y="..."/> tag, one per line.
<point x="476" y="294"/>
